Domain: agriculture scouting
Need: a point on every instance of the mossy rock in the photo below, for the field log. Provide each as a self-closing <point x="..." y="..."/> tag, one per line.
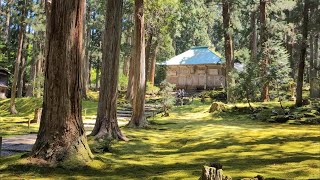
<point x="217" y="106"/>
<point x="280" y="119"/>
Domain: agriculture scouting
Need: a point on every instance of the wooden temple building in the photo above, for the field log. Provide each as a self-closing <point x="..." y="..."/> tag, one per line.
<point x="4" y="75"/>
<point x="196" y="69"/>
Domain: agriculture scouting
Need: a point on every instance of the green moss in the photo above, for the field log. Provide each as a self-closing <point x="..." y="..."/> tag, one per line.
<point x="178" y="146"/>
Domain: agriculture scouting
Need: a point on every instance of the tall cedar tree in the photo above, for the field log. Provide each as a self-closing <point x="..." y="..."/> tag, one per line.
<point x="303" y="53"/>
<point x="106" y="123"/>
<point x="18" y="59"/>
<point x="61" y="137"/>
<point x="228" y="45"/>
<point x="138" y="118"/>
<point x="265" y="59"/>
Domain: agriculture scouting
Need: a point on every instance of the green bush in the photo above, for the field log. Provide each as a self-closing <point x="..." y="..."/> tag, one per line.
<point x="123" y="82"/>
<point x="152" y="90"/>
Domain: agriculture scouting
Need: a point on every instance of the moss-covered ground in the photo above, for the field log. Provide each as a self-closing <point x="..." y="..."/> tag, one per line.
<point x="177" y="147"/>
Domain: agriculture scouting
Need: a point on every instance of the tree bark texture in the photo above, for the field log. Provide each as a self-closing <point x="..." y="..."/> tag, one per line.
<point x="23" y="66"/>
<point x="138" y="118"/>
<point x="107" y="123"/>
<point x="97" y="74"/>
<point x="129" y="94"/>
<point x="303" y="51"/>
<point x="314" y="74"/>
<point x="17" y="63"/>
<point x="8" y="17"/>
<point x="152" y="64"/>
<point x="61" y="138"/>
<point x="148" y="53"/>
<point x="228" y="45"/>
<point x="211" y="173"/>
<point x="265" y="59"/>
<point x="85" y="72"/>
<point x="253" y="36"/>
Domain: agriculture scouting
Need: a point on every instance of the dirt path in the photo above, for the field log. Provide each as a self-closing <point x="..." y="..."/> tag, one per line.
<point x="24" y="143"/>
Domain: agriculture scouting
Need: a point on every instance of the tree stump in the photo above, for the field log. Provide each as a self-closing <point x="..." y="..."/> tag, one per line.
<point x="212" y="173"/>
<point x="37" y="115"/>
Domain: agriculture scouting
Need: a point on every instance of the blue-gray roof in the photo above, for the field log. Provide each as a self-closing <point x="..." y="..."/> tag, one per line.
<point x="196" y="55"/>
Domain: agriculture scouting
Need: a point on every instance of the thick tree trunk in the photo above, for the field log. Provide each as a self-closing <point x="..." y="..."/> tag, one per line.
<point x="228" y="46"/>
<point x="61" y="137"/>
<point x="303" y="50"/>
<point x="85" y="73"/>
<point x="265" y="59"/>
<point x="253" y="44"/>
<point x="17" y="63"/>
<point x="152" y="64"/>
<point x="138" y="118"/>
<point x="107" y="123"/>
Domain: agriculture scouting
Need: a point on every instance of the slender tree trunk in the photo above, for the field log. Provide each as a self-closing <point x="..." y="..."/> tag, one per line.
<point x="153" y="59"/>
<point x="315" y="81"/>
<point x="253" y="36"/>
<point x="21" y="77"/>
<point x="33" y="69"/>
<point x="265" y="59"/>
<point x="228" y="46"/>
<point x="148" y="53"/>
<point x="89" y="75"/>
<point x="17" y="63"/>
<point x="32" y="79"/>
<point x="39" y="75"/>
<point x="303" y="50"/>
<point x="311" y="67"/>
<point x="138" y="118"/>
<point x="107" y="123"/>
<point x="127" y="58"/>
<point x="23" y="67"/>
<point x="97" y="75"/>
<point x="290" y="45"/>
<point x="129" y="94"/>
<point x="61" y="137"/>
<point x="8" y="17"/>
<point x="126" y="65"/>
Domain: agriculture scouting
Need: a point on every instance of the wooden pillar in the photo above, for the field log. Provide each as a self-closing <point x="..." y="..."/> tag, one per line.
<point x="206" y="74"/>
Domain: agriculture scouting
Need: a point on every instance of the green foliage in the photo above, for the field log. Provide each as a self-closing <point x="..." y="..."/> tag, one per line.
<point x="176" y="147"/>
<point x="247" y="84"/>
<point x="123" y="82"/>
<point x="167" y="97"/>
<point x="151" y="89"/>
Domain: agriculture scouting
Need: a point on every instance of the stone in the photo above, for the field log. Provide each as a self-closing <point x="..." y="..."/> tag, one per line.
<point x="217" y="106"/>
